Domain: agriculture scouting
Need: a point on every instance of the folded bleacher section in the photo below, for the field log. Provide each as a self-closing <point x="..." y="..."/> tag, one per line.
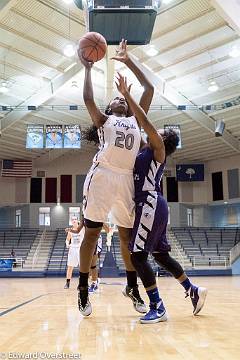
<point x="207" y="247"/>
<point x="57" y="263"/>
<point x="58" y="256"/>
<point x="19" y="240"/>
<point x="115" y="248"/>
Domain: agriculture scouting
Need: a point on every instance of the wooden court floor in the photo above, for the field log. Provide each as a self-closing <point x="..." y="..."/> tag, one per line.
<point x="38" y="315"/>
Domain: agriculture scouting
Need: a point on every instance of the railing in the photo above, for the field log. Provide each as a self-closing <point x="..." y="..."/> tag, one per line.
<point x="121" y="4"/>
<point x="63" y="253"/>
<point x="191" y="237"/>
<point x="176" y="250"/>
<point x="210" y="261"/>
<point x="113" y="248"/>
<point x="236" y="236"/>
<point x="35" y="256"/>
<point x="178" y="253"/>
<point x="53" y="246"/>
<point x="234" y="253"/>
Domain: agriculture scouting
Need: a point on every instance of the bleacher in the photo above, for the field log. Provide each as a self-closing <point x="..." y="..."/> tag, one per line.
<point x="204" y="247"/>
<point x="58" y="257"/>
<point x="118" y="257"/>
<point x="20" y="240"/>
<point x="207" y="246"/>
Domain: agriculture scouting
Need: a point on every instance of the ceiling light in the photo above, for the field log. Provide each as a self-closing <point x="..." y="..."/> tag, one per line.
<point x="235" y="52"/>
<point x="152" y="51"/>
<point x="213" y="86"/>
<point x="69" y="50"/>
<point x="3" y="88"/>
<point x="68" y="1"/>
<point x="166" y="1"/>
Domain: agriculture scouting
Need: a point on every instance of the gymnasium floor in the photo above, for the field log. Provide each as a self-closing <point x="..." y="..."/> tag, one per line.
<point x="51" y="322"/>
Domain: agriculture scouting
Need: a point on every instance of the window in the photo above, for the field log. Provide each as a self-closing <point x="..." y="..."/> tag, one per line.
<point x="190" y="217"/>
<point x="18" y="218"/>
<point x="74" y="212"/>
<point x="44" y="216"/>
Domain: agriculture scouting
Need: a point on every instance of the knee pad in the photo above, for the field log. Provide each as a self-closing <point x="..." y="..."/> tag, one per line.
<point x="138" y="258"/>
<point x="169" y="264"/>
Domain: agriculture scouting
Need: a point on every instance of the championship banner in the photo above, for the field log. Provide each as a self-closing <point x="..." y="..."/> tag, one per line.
<point x="34" y="138"/>
<point x="178" y="131"/>
<point x="72" y="137"/>
<point x="54" y="137"/>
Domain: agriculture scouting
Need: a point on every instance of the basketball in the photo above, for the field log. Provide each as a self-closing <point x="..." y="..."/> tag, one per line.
<point x="93" y="46"/>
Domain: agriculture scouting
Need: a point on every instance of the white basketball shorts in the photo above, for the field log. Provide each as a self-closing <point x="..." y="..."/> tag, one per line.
<point x="106" y="190"/>
<point x="73" y="256"/>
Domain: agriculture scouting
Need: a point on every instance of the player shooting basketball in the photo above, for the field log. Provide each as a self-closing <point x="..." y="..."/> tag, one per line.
<point x="109" y="184"/>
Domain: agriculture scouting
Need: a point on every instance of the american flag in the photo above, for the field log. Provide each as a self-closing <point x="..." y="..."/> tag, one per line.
<point x="18" y="168"/>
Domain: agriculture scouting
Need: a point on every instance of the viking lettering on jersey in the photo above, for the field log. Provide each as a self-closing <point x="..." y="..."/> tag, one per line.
<point x="119" y="143"/>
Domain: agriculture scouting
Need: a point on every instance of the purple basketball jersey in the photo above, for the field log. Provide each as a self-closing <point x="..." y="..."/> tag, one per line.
<point x="151" y="213"/>
<point x="147" y="174"/>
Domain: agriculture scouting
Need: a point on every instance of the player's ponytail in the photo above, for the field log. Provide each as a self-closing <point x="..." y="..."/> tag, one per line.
<point x="91" y="135"/>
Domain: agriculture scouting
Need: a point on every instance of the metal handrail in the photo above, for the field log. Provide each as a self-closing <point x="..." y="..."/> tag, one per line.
<point x="235" y="242"/>
<point x="234" y="253"/>
<point x="53" y="246"/>
<point x="35" y="256"/>
<point x="212" y="260"/>
<point x="175" y="248"/>
<point x="113" y="247"/>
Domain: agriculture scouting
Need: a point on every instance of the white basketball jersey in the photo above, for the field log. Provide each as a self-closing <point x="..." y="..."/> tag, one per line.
<point x="76" y="239"/>
<point x="119" y="143"/>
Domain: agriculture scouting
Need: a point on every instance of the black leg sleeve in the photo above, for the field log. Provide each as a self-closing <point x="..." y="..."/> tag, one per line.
<point x="169" y="264"/>
<point x="143" y="268"/>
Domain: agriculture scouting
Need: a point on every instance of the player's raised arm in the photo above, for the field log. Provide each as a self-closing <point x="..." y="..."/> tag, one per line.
<point x="68" y="238"/>
<point x="97" y="116"/>
<point x="123" y="56"/>
<point x="155" y="138"/>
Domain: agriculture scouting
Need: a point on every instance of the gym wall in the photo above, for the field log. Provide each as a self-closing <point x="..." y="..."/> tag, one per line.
<point x="195" y="195"/>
